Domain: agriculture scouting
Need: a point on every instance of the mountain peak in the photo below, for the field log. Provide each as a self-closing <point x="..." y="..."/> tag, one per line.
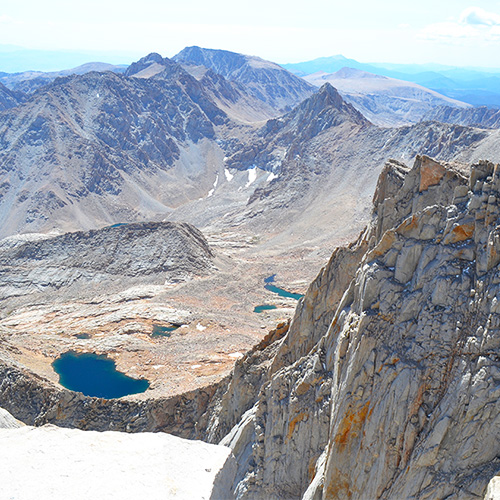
<point x="153" y="62"/>
<point x="328" y="102"/>
<point x="328" y="91"/>
<point x="264" y="80"/>
<point x="152" y="57"/>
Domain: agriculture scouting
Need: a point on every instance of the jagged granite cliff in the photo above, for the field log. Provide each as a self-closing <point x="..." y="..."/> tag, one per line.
<point x="386" y="382"/>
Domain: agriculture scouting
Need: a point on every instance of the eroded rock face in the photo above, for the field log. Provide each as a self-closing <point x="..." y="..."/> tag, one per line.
<point x="398" y="396"/>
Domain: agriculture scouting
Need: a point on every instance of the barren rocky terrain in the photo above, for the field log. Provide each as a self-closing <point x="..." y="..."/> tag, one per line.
<point x="145" y="216"/>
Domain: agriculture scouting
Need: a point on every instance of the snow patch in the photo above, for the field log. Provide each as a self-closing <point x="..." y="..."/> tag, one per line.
<point x="271" y="177"/>
<point x="200" y="327"/>
<point x="252" y="175"/>
<point x="211" y="192"/>
<point x="228" y="174"/>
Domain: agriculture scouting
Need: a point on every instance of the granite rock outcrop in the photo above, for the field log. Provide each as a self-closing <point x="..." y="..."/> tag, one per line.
<point x="386" y="382"/>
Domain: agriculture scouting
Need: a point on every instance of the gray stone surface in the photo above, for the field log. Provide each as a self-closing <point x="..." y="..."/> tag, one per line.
<point x="7" y="421"/>
<point x="54" y="463"/>
<point x="398" y="398"/>
<point x="155" y="252"/>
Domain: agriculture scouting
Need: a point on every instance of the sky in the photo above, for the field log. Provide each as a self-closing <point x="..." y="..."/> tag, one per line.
<point x="458" y="32"/>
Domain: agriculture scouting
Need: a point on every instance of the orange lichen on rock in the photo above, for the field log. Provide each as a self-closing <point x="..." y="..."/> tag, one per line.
<point x="351" y="424"/>
<point x="385" y="244"/>
<point x="338" y="488"/>
<point x="301" y="417"/>
<point x="461" y="233"/>
<point x="431" y="172"/>
<point x="408" y="224"/>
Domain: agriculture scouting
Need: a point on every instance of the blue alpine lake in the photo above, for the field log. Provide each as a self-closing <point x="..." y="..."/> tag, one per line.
<point x="280" y="291"/>
<point x="163" y="331"/>
<point x="259" y="309"/>
<point x="95" y="375"/>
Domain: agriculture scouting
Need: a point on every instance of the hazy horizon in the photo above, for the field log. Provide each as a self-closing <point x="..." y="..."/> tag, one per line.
<point x="464" y="34"/>
<point x="12" y="59"/>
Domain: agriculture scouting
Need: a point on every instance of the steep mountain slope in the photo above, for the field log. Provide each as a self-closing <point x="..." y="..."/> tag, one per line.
<point x="481" y="117"/>
<point x="384" y="101"/>
<point x="316" y="184"/>
<point x="101" y="147"/>
<point x="231" y="97"/>
<point x="288" y="134"/>
<point x="385" y="385"/>
<point x="9" y="98"/>
<point x="264" y="80"/>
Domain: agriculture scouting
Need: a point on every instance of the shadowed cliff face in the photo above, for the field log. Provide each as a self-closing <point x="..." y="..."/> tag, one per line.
<point x="9" y="98"/>
<point x="385" y="385"/>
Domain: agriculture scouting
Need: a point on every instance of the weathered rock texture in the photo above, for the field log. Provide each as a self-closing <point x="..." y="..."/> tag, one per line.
<point x="141" y="252"/>
<point x="386" y="383"/>
<point x="482" y="116"/>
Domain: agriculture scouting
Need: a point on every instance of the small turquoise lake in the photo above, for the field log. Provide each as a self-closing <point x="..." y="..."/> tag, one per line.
<point x="259" y="309"/>
<point x="163" y="331"/>
<point x="95" y="375"/>
<point x="279" y="291"/>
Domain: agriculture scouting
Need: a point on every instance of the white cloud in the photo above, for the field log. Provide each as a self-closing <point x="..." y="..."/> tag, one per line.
<point x="474" y="24"/>
<point x="479" y="17"/>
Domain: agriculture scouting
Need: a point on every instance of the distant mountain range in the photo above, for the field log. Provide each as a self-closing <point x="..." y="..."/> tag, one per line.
<point x="475" y="86"/>
<point x="383" y="100"/>
<point x="29" y="81"/>
<point x="213" y="138"/>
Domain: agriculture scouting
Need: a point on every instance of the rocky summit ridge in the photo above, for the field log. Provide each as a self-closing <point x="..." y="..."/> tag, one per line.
<point x="385" y="384"/>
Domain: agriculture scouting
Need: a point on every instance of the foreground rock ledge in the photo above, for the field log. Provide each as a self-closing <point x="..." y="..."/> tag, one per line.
<point x="53" y="463"/>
